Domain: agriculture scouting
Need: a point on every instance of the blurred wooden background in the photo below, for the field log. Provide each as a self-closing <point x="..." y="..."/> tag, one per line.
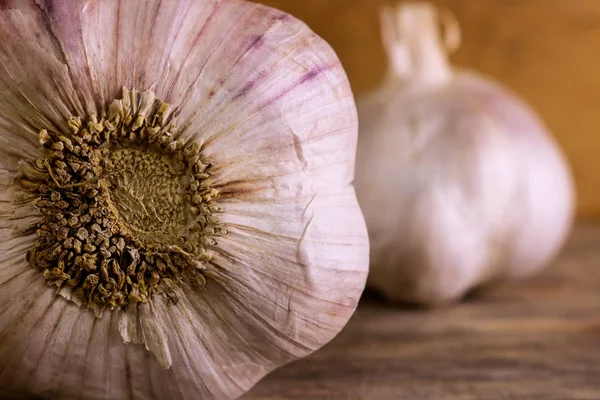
<point x="547" y="50"/>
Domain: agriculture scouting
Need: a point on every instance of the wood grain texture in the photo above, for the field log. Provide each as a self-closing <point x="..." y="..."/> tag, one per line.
<point x="534" y="340"/>
<point x="547" y="50"/>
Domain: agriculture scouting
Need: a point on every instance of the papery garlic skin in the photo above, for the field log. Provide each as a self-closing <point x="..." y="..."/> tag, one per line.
<point x="269" y="105"/>
<point x="459" y="180"/>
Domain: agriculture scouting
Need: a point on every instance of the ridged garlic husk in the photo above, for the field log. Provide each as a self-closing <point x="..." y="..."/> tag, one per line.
<point x="177" y="216"/>
<point x="459" y="180"/>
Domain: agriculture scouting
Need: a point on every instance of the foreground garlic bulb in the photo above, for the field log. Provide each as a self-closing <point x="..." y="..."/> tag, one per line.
<point x="459" y="181"/>
<point x="176" y="211"/>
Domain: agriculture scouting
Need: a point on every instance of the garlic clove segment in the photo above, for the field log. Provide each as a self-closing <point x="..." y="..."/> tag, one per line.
<point x="177" y="215"/>
<point x="459" y="180"/>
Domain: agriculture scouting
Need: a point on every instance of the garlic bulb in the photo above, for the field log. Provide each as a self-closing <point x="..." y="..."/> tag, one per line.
<point x="459" y="180"/>
<point x="177" y="216"/>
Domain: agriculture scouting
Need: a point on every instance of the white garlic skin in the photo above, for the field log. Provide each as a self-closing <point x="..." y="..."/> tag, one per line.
<point x="460" y="183"/>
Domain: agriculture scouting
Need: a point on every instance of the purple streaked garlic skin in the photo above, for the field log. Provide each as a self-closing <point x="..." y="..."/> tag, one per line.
<point x="177" y="215"/>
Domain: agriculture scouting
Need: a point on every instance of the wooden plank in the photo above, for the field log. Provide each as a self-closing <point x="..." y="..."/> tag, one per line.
<point x="547" y="50"/>
<point x="534" y="340"/>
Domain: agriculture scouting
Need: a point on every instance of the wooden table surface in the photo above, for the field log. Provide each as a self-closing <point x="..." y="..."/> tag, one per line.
<point x="535" y="340"/>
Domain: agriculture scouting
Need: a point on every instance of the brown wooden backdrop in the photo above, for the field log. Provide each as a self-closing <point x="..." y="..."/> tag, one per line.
<point x="547" y="50"/>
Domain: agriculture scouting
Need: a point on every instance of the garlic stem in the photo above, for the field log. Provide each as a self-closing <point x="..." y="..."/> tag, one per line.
<point x="417" y="49"/>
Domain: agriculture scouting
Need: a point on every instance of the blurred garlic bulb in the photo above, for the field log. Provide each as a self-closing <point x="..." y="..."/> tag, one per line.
<point x="177" y="217"/>
<point x="459" y="181"/>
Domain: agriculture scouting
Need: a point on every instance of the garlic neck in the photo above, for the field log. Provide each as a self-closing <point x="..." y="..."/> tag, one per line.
<point x="416" y="47"/>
